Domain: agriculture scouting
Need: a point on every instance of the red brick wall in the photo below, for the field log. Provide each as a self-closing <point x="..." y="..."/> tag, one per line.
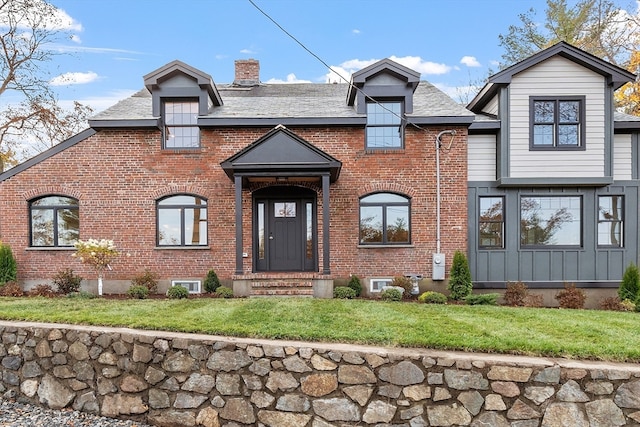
<point x="118" y="174"/>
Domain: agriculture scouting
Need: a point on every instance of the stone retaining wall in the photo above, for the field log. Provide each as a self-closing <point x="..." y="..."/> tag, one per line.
<point x="171" y="379"/>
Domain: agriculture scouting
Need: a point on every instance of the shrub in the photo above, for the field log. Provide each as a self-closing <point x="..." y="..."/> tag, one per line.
<point x="355" y="284"/>
<point x="533" y="300"/>
<point x="81" y="295"/>
<point x="224" y="292"/>
<point x="42" y="291"/>
<point x="177" y="292"/>
<point x="630" y="285"/>
<point x="432" y="297"/>
<point x="391" y="294"/>
<point x="482" y="299"/>
<point x="516" y="294"/>
<point x="66" y="282"/>
<point x="8" y="266"/>
<point x="614" y="304"/>
<point x="11" y="289"/>
<point x="138" y="291"/>
<point x="571" y="297"/>
<point x="148" y="279"/>
<point x="460" y="277"/>
<point x="344" y="292"/>
<point x="404" y="283"/>
<point x="211" y="282"/>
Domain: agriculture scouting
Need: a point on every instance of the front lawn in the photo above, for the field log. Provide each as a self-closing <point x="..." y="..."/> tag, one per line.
<point x="580" y="334"/>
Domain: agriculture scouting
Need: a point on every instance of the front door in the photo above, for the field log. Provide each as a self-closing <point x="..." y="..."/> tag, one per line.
<point x="284" y="232"/>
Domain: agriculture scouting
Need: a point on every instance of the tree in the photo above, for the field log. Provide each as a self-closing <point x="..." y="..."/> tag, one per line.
<point x="29" y="29"/>
<point x="460" y="284"/>
<point x="596" y="26"/>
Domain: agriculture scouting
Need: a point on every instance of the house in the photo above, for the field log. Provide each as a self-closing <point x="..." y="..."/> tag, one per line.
<point x="281" y="189"/>
<point x="291" y="189"/>
<point x="553" y="176"/>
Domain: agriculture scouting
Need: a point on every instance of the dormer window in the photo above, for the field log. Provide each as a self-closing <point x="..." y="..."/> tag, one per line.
<point x="181" y="124"/>
<point x="384" y="125"/>
<point x="557" y="123"/>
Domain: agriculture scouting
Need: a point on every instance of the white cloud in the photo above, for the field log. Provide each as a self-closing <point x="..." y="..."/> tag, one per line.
<point x="291" y="78"/>
<point x="470" y="61"/>
<point x="76" y="38"/>
<point x="247" y="51"/>
<point x="68" y="79"/>
<point x="342" y="73"/>
<point x="356" y="31"/>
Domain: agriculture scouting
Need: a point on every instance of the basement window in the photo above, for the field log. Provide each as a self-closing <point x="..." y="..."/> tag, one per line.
<point x="377" y="284"/>
<point x="193" y="286"/>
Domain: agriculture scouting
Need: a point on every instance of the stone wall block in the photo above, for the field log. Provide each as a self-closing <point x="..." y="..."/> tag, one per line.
<point x="448" y="415"/>
<point x="336" y="409"/>
<point x="179" y="362"/>
<point x="564" y="414"/>
<point x="628" y="395"/>
<point x="465" y="380"/>
<point x="318" y="385"/>
<point x="79" y="351"/>
<point x="229" y="360"/>
<point x="404" y="373"/>
<point x="509" y="373"/>
<point x="53" y="393"/>
<point x="354" y="374"/>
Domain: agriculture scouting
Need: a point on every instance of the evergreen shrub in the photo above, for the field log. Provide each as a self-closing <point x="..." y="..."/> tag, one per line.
<point x="460" y="277"/>
<point x="211" y="282"/>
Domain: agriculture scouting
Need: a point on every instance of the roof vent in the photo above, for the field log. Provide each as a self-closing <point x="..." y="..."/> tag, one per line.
<point x="247" y="72"/>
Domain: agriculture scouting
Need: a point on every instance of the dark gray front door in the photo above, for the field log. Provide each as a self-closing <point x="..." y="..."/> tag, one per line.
<point x="285" y="236"/>
<point x="285" y="233"/>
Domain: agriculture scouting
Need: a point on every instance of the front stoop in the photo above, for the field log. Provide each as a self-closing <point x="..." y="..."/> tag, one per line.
<point x="283" y="285"/>
<point x="281" y="288"/>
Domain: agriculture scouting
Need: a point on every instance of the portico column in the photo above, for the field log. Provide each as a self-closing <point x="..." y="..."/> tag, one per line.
<point x="326" y="257"/>
<point x="238" y="185"/>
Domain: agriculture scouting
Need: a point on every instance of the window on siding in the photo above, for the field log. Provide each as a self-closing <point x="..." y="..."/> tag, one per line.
<point x="557" y="123"/>
<point x="182" y="221"/>
<point x="384" y="219"/>
<point x="384" y="125"/>
<point x="54" y="221"/>
<point x="610" y="221"/>
<point x="491" y="222"/>
<point x="180" y="124"/>
<point x="550" y="221"/>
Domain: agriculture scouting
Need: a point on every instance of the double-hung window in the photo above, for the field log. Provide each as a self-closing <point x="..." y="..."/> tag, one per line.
<point x="54" y="221"/>
<point x="550" y="221"/>
<point x="384" y="125"/>
<point x="491" y="223"/>
<point x="181" y="124"/>
<point x="182" y="221"/>
<point x="384" y="219"/>
<point x="610" y="221"/>
<point x="557" y="123"/>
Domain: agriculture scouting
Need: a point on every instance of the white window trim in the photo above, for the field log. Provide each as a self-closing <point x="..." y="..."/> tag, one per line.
<point x="385" y="281"/>
<point x="186" y="284"/>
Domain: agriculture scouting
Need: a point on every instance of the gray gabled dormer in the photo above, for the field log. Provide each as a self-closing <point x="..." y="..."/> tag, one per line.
<point x="383" y="80"/>
<point x="179" y="80"/>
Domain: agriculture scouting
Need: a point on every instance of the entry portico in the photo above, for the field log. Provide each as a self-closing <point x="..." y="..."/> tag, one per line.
<point x="279" y="168"/>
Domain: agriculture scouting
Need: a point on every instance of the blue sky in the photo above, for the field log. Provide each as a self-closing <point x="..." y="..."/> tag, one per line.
<point x="115" y="43"/>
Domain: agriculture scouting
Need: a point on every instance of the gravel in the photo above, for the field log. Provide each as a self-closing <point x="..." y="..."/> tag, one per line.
<point x="16" y="414"/>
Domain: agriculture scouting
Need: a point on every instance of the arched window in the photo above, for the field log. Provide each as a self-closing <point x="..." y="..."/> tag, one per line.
<point x="54" y="221"/>
<point x="182" y="221"/>
<point x="385" y="219"/>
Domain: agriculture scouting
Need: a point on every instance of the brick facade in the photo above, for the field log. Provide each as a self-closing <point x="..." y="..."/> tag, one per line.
<point x="117" y="175"/>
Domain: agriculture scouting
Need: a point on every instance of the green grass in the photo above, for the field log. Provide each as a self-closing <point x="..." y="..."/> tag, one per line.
<point x="579" y="334"/>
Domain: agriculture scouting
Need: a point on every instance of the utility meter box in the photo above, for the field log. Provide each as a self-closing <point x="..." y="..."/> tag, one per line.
<point x="438" y="267"/>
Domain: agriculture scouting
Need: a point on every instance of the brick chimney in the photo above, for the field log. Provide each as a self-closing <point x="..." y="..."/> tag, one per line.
<point x="247" y="72"/>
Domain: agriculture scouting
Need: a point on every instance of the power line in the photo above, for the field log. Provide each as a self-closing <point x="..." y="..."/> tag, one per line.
<point x="351" y="85"/>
